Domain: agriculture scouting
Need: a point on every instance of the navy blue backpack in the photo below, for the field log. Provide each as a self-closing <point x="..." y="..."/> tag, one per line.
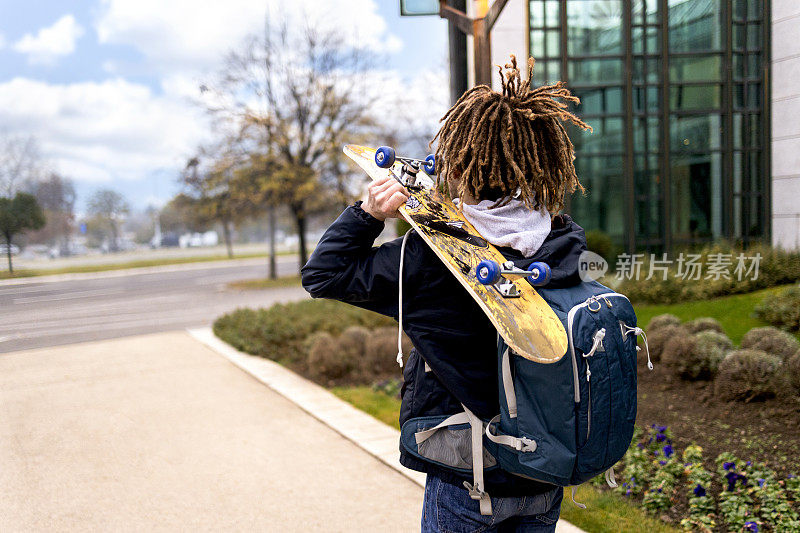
<point x="561" y="423"/>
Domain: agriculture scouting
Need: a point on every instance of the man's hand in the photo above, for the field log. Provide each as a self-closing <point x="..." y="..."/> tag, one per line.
<point x="384" y="197"/>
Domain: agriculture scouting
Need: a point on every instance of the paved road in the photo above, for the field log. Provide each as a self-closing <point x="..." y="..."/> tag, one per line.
<point x="37" y="314"/>
<point x="159" y="433"/>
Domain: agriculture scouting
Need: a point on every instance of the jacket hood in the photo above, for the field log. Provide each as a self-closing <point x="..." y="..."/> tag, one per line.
<point x="561" y="249"/>
<point x="513" y="225"/>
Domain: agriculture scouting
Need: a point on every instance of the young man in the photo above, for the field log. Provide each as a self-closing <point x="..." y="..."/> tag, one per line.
<point x="508" y="160"/>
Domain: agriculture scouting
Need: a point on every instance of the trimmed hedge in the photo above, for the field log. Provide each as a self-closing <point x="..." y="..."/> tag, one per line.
<point x="782" y="310"/>
<point x="279" y="333"/>
<point x="777" y="267"/>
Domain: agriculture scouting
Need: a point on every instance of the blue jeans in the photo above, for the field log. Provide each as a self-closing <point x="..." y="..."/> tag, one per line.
<point x="449" y="509"/>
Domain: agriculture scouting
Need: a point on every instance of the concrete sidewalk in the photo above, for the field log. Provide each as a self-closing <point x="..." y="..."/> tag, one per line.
<point x="160" y="433"/>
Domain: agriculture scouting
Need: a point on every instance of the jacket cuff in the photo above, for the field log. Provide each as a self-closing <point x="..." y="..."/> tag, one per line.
<point x="359" y="212"/>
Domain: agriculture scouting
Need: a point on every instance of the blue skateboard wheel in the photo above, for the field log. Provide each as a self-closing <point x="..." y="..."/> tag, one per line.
<point x="430" y="165"/>
<point x="384" y="156"/>
<point x="488" y="272"/>
<point x="540" y="274"/>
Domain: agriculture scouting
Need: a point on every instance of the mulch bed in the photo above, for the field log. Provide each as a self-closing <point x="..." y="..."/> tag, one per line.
<point x="761" y="431"/>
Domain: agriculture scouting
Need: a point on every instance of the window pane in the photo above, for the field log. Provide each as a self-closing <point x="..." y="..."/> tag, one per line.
<point x="552" y="47"/>
<point x="755" y="130"/>
<point x="537" y="13"/>
<point x="537" y="44"/>
<point x="551" y="13"/>
<point x="738" y="135"/>
<point x="754" y="95"/>
<point x="753" y="36"/>
<point x="684" y="97"/>
<point x="546" y="72"/>
<point x="696" y="68"/>
<point x="695" y="133"/>
<point x="755" y="9"/>
<point x="646" y="99"/>
<point x="646" y="70"/>
<point x="646" y="134"/>
<point x="595" y="27"/>
<point x="650" y="9"/>
<point x="696" y="196"/>
<point x="739" y="36"/>
<point x="753" y="65"/>
<point x="695" y="25"/>
<point x="602" y="208"/>
<point x="595" y="71"/>
<point x="597" y="100"/>
<point x="607" y="136"/>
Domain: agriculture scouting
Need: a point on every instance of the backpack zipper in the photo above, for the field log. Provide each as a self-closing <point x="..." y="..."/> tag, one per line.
<point x="576" y="380"/>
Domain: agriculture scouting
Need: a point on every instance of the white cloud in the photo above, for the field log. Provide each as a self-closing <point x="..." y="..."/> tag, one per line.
<point x="103" y="131"/>
<point x="179" y="34"/>
<point x="51" y="42"/>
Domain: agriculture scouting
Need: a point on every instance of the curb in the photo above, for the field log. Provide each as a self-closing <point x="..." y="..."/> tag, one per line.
<point x="366" y="432"/>
<point x="118" y="273"/>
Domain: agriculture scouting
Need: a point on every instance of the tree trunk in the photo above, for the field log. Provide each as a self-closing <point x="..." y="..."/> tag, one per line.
<point x="226" y="234"/>
<point x="300" y="219"/>
<point x="8" y="253"/>
<point x="273" y="271"/>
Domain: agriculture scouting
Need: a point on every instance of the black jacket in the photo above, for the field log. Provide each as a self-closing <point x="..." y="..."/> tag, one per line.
<point x="447" y="327"/>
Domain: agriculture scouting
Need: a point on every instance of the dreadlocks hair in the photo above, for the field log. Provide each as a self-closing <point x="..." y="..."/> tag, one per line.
<point x="497" y="144"/>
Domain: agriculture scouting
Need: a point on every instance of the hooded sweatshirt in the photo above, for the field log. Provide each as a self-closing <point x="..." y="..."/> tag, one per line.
<point x="513" y="225"/>
<point x="454" y="360"/>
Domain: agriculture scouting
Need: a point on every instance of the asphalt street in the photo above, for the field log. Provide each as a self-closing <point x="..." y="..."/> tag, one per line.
<point x="38" y="314"/>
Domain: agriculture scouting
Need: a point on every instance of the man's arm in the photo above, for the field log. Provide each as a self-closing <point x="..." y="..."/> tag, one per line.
<point x="345" y="266"/>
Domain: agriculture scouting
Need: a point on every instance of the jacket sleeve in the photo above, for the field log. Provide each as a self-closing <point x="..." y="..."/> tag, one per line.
<point x="346" y="267"/>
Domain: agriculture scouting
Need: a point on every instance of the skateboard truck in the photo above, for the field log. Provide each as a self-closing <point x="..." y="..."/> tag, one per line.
<point x="500" y="277"/>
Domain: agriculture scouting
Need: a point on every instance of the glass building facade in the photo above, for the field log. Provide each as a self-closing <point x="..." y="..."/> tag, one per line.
<point x="676" y="91"/>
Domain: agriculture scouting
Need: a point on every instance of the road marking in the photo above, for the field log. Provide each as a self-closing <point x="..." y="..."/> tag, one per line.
<point x="68" y="296"/>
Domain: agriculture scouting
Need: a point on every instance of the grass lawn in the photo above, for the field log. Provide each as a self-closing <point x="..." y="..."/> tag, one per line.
<point x="265" y="283"/>
<point x="605" y="512"/>
<point x="735" y="313"/>
<point x="138" y="263"/>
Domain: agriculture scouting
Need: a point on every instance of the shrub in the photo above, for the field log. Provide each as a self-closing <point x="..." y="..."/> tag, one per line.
<point x="657" y="340"/>
<point x="380" y="354"/>
<point x="793" y="371"/>
<point x="660" y="321"/>
<point x="710" y="349"/>
<point x="353" y="341"/>
<point x="747" y="375"/>
<point x="782" y="310"/>
<point x="703" y="324"/>
<point x="771" y="340"/>
<point x="327" y="363"/>
<point x="697" y="356"/>
<point x="776" y="267"/>
<point x="677" y="350"/>
<point x="601" y="244"/>
<point x="279" y="332"/>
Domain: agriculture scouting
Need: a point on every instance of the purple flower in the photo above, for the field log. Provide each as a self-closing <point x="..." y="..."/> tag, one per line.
<point x="728" y="465"/>
<point x="731" y="477"/>
<point x="661" y="429"/>
<point x="699" y="491"/>
<point x="748" y="463"/>
<point x="668" y="451"/>
<point x="790" y="476"/>
<point x="661" y="437"/>
<point x="628" y="492"/>
<point x="640" y="446"/>
<point x="662" y="462"/>
<point x="751" y="526"/>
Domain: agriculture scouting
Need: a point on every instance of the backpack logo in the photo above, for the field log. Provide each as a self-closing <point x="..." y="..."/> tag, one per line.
<point x="591" y="266"/>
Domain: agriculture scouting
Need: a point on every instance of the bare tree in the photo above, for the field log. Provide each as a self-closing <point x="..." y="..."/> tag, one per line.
<point x="56" y="196"/>
<point x="20" y="163"/>
<point x="108" y="209"/>
<point x="298" y="96"/>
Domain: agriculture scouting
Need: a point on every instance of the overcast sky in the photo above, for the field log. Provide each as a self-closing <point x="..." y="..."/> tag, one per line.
<point x="105" y="85"/>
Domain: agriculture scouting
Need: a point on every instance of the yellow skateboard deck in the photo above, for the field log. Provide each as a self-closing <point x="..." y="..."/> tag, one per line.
<point x="527" y="323"/>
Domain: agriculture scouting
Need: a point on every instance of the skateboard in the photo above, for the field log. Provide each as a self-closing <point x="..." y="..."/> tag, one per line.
<point x="521" y="316"/>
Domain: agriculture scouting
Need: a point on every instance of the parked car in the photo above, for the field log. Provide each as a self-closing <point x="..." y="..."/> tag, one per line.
<point x="4" y="249"/>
